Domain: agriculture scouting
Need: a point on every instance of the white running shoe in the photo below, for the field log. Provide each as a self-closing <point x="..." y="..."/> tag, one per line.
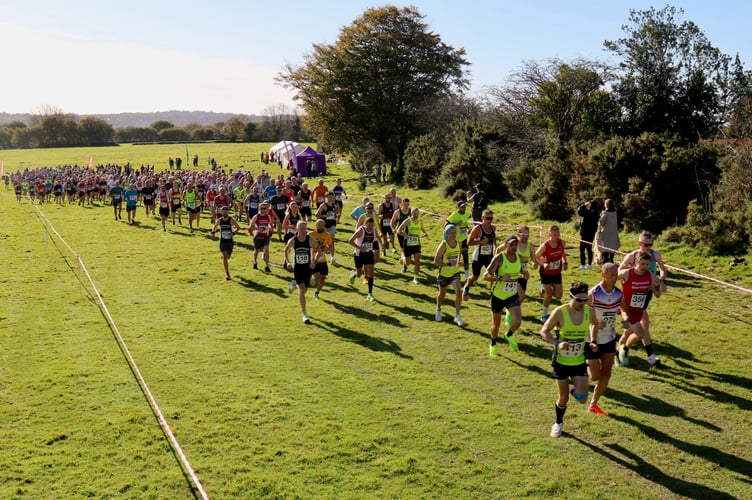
<point x="581" y="268"/>
<point x="623" y="356"/>
<point x="415" y="280"/>
<point x="556" y="430"/>
<point x="293" y="286"/>
<point x="653" y="360"/>
<point x="458" y="321"/>
<point x="438" y="314"/>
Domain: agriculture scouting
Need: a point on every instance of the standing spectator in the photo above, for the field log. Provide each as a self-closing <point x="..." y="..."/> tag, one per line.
<point x="479" y="200"/>
<point x="378" y="172"/>
<point x="195" y="160"/>
<point x="608" y="232"/>
<point x="588" y="226"/>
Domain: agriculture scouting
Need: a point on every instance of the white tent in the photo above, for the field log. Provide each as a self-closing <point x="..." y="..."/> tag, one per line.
<point x="286" y="150"/>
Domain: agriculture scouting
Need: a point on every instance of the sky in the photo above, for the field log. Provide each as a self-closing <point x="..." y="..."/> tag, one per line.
<point x="107" y="56"/>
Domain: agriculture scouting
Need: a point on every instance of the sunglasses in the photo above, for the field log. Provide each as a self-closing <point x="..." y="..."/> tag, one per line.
<point x="579" y="299"/>
<point x="524" y="234"/>
<point x="487" y="218"/>
<point x="646" y="244"/>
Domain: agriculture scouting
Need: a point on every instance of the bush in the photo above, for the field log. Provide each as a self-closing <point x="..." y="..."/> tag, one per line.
<point x="423" y="159"/>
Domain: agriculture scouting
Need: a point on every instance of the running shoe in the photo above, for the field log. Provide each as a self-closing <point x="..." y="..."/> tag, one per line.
<point x="415" y="280"/>
<point x="370" y="297"/>
<point x="315" y="296"/>
<point x="493" y="351"/>
<point x="255" y="265"/>
<point x="544" y="317"/>
<point x="438" y="314"/>
<point x="512" y="342"/>
<point x="394" y="250"/>
<point x="465" y="294"/>
<point x="404" y="269"/>
<point x="556" y="430"/>
<point x="332" y="260"/>
<point x="623" y="356"/>
<point x="582" y="267"/>
<point x="597" y="410"/>
<point x="353" y="274"/>
<point x="305" y="319"/>
<point x="293" y="285"/>
<point x="228" y="277"/>
<point x="458" y="320"/>
<point x="653" y="360"/>
<point x="267" y="270"/>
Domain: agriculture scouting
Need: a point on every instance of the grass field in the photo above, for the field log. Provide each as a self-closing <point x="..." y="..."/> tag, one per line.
<point x="372" y="400"/>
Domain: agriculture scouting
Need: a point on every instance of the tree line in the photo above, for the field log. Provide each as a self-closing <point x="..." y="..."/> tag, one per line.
<point x="665" y="132"/>
<point x="52" y="128"/>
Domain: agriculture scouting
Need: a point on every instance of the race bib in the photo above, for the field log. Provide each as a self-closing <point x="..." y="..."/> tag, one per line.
<point x="176" y="201"/>
<point x="253" y="205"/>
<point x="191" y="204"/>
<point x="574" y="349"/>
<point x="463" y="231"/>
<point x="225" y="234"/>
<point x="386" y="222"/>
<point x="638" y="300"/>
<point x="302" y="258"/>
<point x="486" y="249"/>
<point x="452" y="261"/>
<point x="554" y="264"/>
<point x="163" y="204"/>
<point x="412" y="239"/>
<point x="367" y="246"/>
<point x="509" y="286"/>
<point x="331" y="215"/>
<point x="281" y="207"/>
<point x="263" y="229"/>
<point x="306" y="203"/>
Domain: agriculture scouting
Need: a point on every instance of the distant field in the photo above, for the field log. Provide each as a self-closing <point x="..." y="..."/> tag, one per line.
<point x="372" y="400"/>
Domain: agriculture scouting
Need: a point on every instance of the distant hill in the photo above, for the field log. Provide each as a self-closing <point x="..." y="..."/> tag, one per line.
<point x="177" y="118"/>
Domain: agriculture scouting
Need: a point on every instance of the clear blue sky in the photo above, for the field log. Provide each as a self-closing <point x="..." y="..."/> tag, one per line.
<point x="106" y="56"/>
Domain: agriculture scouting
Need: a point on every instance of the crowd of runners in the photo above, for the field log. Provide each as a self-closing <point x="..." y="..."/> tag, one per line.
<point x="304" y="219"/>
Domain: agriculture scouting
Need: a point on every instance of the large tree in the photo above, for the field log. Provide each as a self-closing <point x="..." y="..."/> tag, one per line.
<point x="372" y="84"/>
<point x="671" y="78"/>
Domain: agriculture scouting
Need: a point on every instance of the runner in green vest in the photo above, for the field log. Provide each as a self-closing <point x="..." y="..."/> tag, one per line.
<point x="577" y="324"/>
<point x="448" y="259"/>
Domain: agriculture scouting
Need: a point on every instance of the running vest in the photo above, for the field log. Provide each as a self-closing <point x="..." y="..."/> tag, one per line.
<point x="451" y="259"/>
<point x="225" y="229"/>
<point x="330" y="215"/>
<point x="636" y="288"/>
<point x="302" y="252"/>
<point x="505" y="289"/>
<point x="365" y="240"/>
<point x="606" y="307"/>
<point x="305" y="199"/>
<point x="553" y="257"/>
<point x="164" y="201"/>
<point x="263" y="225"/>
<point x="576" y="335"/>
<point x="190" y="199"/>
<point x="387" y="211"/>
<point x="488" y="248"/>
<point x="292" y="222"/>
<point x="413" y="234"/>
<point x="460" y="220"/>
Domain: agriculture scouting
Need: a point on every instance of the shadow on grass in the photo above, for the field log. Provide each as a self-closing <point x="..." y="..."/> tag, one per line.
<point x="651" y="472"/>
<point x="683" y="381"/>
<point x="655" y="406"/>
<point x="373" y="343"/>
<point x="708" y="453"/>
<point x="366" y="314"/>
<point x="680" y="280"/>
<point x="255" y="285"/>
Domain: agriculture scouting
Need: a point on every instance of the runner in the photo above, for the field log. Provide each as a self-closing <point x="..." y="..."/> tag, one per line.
<point x="147" y="193"/>
<point x="400" y="216"/>
<point x="502" y="272"/>
<point x="164" y="205"/>
<point x="227" y="227"/>
<point x="577" y="324"/>
<point x="290" y="224"/>
<point x="385" y="214"/>
<point x="326" y="245"/>
<point x="411" y="230"/>
<point x="304" y="200"/>
<point x="483" y="238"/>
<point x="305" y="254"/>
<point x="328" y="211"/>
<point x="552" y="259"/>
<point x="116" y="193"/>
<point x="447" y="258"/>
<point x="366" y="243"/>
<point x="460" y="218"/>
<point x="637" y="284"/>
<point x="606" y="300"/>
<point x="261" y="228"/>
<point x="131" y="201"/>
<point x="192" y="206"/>
<point x="339" y="192"/>
<point x="176" y="196"/>
<point x="279" y="203"/>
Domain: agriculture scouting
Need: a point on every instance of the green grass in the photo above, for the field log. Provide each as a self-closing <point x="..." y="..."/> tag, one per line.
<point x="373" y="400"/>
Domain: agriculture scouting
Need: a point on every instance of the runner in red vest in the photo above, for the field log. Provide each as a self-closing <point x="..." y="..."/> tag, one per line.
<point x="552" y="259"/>
<point x="261" y="228"/>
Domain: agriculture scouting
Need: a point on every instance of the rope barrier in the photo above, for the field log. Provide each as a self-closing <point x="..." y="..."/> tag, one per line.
<point x="132" y="362"/>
